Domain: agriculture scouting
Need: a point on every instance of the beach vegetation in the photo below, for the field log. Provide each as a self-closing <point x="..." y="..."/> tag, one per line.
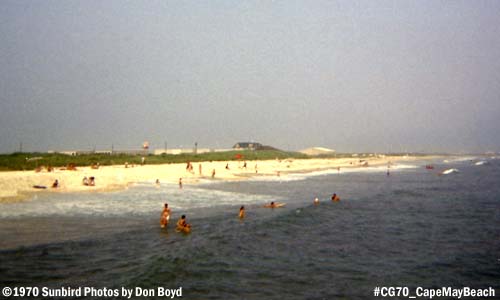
<point x="30" y="161"/>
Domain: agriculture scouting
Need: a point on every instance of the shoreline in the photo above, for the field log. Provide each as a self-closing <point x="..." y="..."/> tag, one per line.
<point x="16" y="186"/>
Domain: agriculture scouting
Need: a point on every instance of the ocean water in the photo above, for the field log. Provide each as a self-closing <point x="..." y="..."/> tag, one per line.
<point x="412" y="228"/>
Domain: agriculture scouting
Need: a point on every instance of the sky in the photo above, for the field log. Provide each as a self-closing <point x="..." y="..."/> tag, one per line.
<point x="354" y="76"/>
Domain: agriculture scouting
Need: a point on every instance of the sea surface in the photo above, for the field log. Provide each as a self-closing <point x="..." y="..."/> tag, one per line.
<point x="411" y="228"/>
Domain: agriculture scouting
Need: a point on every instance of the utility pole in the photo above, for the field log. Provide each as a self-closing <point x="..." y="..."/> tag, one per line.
<point x="21" y="147"/>
<point x="195" y="147"/>
<point x="165" y="147"/>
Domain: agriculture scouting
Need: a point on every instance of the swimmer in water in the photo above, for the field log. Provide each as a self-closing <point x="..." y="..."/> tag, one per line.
<point x="335" y="198"/>
<point x="274" y="205"/>
<point x="316" y="201"/>
<point x="165" y="216"/>
<point x="242" y="212"/>
<point x="182" y="225"/>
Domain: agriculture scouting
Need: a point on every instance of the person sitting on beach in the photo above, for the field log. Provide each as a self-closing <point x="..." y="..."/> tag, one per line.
<point x="91" y="181"/>
<point x="55" y="184"/>
<point x="165" y="216"/>
<point x="242" y="212"/>
<point x="227" y="166"/>
<point x="335" y="198"/>
<point x="85" y="181"/>
<point x="182" y="225"/>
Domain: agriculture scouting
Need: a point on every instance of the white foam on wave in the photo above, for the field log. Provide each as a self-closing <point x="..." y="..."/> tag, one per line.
<point x="139" y="200"/>
<point x="459" y="159"/>
<point x="449" y="171"/>
<point x="480" y="163"/>
<point x="304" y="176"/>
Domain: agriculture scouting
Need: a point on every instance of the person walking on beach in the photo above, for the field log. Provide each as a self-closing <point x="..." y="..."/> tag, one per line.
<point x="165" y="216"/>
<point x="199" y="169"/>
<point x="213" y="173"/>
<point x="180" y="183"/>
<point x="241" y="215"/>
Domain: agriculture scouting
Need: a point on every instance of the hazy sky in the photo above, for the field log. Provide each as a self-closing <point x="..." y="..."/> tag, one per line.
<point x="348" y="75"/>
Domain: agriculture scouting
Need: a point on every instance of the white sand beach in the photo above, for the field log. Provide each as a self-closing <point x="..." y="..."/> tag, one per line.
<point x="18" y="185"/>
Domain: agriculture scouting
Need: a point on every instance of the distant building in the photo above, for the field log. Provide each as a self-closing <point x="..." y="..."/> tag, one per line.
<point x="107" y="152"/>
<point x="188" y="151"/>
<point x="248" y="146"/>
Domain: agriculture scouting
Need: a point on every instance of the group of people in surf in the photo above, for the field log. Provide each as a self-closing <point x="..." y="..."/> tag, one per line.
<point x="183" y="226"/>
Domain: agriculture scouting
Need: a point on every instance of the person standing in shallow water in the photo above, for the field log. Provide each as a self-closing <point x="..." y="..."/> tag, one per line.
<point x="165" y="216"/>
<point x="241" y="215"/>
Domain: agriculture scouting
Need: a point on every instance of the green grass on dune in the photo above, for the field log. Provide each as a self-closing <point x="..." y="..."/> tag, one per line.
<point x="29" y="161"/>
